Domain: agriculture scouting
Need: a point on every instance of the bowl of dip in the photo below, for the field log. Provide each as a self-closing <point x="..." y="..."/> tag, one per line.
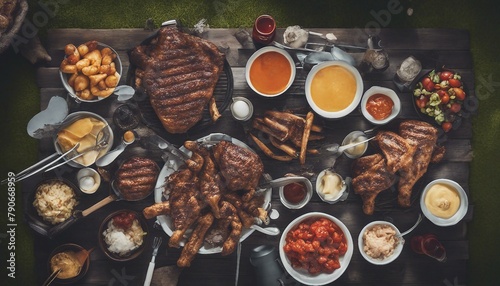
<point x="358" y="150"/>
<point x="444" y="202"/>
<point x="295" y="192"/>
<point x="64" y="257"/>
<point x="380" y="242"/>
<point x="330" y="186"/>
<point x="333" y="89"/>
<point x="380" y="105"/>
<point x="270" y="71"/>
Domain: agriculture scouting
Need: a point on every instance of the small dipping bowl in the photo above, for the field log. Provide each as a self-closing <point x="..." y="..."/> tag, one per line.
<point x="375" y="90"/>
<point x="330" y="186"/>
<point x="462" y="207"/>
<point x="242" y="108"/>
<point x="290" y="195"/>
<point x="356" y="151"/>
<point x="265" y="71"/>
<point x="88" y="180"/>
<point x="381" y="261"/>
<point x="74" y="248"/>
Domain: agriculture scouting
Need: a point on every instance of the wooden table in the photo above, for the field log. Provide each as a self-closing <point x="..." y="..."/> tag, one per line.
<point x="433" y="47"/>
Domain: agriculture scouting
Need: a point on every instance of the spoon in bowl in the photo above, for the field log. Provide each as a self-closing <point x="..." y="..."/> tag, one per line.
<point x="127" y="139"/>
<point x="81" y="256"/>
<point x="413" y="227"/>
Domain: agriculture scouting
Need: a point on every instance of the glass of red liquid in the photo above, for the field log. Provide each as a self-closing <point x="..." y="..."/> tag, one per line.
<point x="429" y="245"/>
<point x="264" y="30"/>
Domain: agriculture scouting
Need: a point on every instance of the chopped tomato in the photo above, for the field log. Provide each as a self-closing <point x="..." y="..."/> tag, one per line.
<point x="446" y="126"/>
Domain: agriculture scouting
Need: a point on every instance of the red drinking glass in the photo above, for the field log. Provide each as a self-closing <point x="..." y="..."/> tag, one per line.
<point x="264" y="30"/>
<point x="429" y="245"/>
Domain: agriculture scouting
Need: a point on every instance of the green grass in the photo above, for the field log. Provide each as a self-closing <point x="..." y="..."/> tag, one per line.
<point x="19" y="94"/>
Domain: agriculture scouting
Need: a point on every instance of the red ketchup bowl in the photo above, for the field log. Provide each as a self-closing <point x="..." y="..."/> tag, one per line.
<point x="380" y="105"/>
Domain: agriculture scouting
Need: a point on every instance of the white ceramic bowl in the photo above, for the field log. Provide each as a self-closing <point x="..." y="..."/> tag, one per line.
<point x="349" y="139"/>
<point x="64" y="76"/>
<point x="394" y="255"/>
<point x="459" y="215"/>
<point x="337" y="197"/>
<point x="357" y="96"/>
<point x="263" y="51"/>
<point x="380" y="90"/>
<point x="303" y="202"/>
<point x="303" y="276"/>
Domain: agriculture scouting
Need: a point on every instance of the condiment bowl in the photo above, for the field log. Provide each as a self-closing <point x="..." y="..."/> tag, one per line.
<point x="134" y="253"/>
<point x="74" y="248"/>
<point x="65" y="77"/>
<point x="378" y="261"/>
<point x="268" y="72"/>
<point x="359" y="150"/>
<point x="307" y="197"/>
<point x="336" y="195"/>
<point x="82" y="177"/>
<point x="302" y="275"/>
<point x="460" y="213"/>
<point x="358" y="89"/>
<point x="385" y="91"/>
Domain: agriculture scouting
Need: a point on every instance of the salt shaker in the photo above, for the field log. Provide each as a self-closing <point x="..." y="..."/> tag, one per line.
<point x="407" y="72"/>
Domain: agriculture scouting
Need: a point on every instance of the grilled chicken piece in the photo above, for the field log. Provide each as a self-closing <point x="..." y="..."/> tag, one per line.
<point x="397" y="151"/>
<point x="185" y="206"/>
<point x="241" y="168"/>
<point x="195" y="240"/>
<point x="180" y="72"/>
<point x="157" y="209"/>
<point x="136" y="178"/>
<point x="373" y="177"/>
<point x="230" y="215"/>
<point x="210" y="182"/>
<point x="423" y="136"/>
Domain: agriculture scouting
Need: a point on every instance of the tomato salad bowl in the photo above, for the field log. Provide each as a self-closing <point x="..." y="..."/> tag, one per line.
<point x="316" y="248"/>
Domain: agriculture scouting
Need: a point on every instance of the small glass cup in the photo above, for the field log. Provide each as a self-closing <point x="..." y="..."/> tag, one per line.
<point x="407" y="72"/>
<point x="429" y="245"/>
<point x="264" y="30"/>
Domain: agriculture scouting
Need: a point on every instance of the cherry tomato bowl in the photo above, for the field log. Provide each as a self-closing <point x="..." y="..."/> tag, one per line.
<point x="438" y="98"/>
<point x="316" y="248"/>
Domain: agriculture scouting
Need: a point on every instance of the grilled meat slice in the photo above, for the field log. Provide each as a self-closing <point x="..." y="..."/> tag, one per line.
<point x="397" y="151"/>
<point x="136" y="178"/>
<point x="373" y="177"/>
<point x="241" y="168"/>
<point x="180" y="72"/>
<point x="423" y="136"/>
<point x="195" y="240"/>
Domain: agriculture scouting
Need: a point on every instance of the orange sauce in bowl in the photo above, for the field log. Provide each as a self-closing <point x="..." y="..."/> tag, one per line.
<point x="333" y="88"/>
<point x="270" y="73"/>
<point x="379" y="106"/>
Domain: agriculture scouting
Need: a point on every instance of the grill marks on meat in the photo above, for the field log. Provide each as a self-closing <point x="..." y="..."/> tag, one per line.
<point x="397" y="151"/>
<point x="372" y="178"/>
<point x="240" y="167"/>
<point x="408" y="154"/>
<point x="423" y="136"/>
<point x="136" y="178"/>
<point x="180" y="72"/>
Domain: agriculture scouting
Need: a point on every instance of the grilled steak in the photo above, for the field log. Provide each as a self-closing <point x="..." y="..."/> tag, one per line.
<point x="179" y="73"/>
<point x="136" y="178"/>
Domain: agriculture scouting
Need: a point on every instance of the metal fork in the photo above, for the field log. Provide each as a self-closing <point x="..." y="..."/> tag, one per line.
<point x="151" y="267"/>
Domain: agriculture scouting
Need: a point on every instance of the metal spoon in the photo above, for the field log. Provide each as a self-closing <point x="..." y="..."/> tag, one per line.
<point x="337" y="149"/>
<point x="413" y="227"/>
<point x="111" y="156"/>
<point x="266" y="230"/>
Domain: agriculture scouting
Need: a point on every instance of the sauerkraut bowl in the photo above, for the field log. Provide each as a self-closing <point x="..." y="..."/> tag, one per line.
<point x="380" y="242"/>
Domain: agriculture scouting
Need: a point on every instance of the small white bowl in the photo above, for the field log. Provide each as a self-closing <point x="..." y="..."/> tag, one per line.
<point x="302" y="275"/>
<point x="267" y="50"/>
<point x="395" y="254"/>
<point x="301" y="204"/>
<point x="350" y="107"/>
<point x="338" y="196"/>
<point x="459" y="215"/>
<point x="380" y="90"/>
<point x="349" y="139"/>
<point x="82" y="176"/>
